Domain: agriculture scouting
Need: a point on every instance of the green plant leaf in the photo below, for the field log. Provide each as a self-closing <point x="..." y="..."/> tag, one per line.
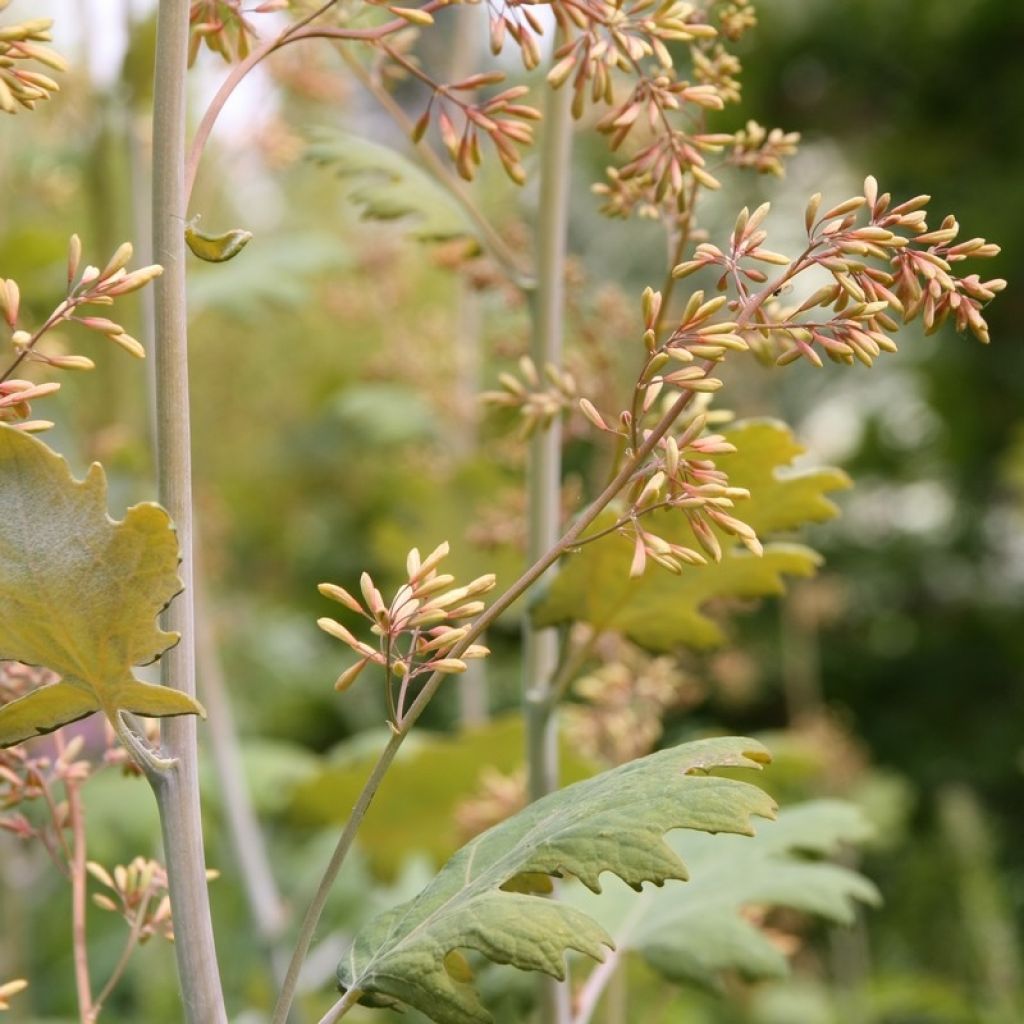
<point x="614" y="822"/>
<point x="389" y="186"/>
<point x="79" y="592"/>
<point x="693" y="932"/>
<point x="661" y="611"/>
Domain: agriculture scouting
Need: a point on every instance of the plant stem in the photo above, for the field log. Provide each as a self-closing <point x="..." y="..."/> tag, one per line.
<point x="177" y="788"/>
<point x="544" y="474"/>
<point x="80" y="943"/>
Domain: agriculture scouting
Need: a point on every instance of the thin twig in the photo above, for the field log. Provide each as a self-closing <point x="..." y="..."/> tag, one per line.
<point x="79" y="939"/>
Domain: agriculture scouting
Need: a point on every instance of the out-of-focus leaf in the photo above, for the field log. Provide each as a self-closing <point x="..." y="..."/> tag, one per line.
<point x="781" y="498"/>
<point x="388" y="186"/>
<point x="415" y="809"/>
<point x="661" y="611"/>
<point x="79" y="592"/>
<point x="694" y="931"/>
<point x="614" y="823"/>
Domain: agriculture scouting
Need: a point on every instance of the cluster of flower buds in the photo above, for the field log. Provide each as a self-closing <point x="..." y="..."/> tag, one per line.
<point x="538" y="401"/>
<point x="19" y="44"/>
<point x="26" y="778"/>
<point x="886" y="266"/>
<point x="90" y="286"/>
<point x="418" y="630"/>
<point x="501" y="118"/>
<point x="605" y="40"/>
<point x="762" y="150"/>
<point x="139" y="895"/>
<point x="222" y="26"/>
<point x="624" y="703"/>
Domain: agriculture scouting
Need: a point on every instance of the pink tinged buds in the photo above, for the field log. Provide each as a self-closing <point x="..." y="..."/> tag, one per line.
<point x="349" y="676"/>
<point x="449" y="666"/>
<point x="27" y="392"/>
<point x="71" y="362"/>
<point x="74" y="257"/>
<point x="639" y="563"/>
<point x="342" y="596"/>
<point x="413" y="15"/>
<point x="591" y="413"/>
<point x="10" y="300"/>
<point x="129" y="344"/>
<point x="118" y="261"/>
<point x="130" y="282"/>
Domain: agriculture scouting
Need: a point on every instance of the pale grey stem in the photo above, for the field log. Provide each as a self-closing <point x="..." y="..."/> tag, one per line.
<point x="544" y="479"/>
<point x="177" y="787"/>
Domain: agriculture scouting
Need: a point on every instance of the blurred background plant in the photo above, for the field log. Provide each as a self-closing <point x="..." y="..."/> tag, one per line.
<point x="331" y="364"/>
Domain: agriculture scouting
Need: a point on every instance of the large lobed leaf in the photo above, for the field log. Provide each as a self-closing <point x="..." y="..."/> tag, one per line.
<point x="661" y="611"/>
<point x="693" y="932"/>
<point x="388" y="186"/>
<point x="79" y="592"/>
<point x="614" y="822"/>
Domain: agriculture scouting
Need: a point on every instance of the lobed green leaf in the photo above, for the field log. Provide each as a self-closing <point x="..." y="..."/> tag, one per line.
<point x="614" y="822"/>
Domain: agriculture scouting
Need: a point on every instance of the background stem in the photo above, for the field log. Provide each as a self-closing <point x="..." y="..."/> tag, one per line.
<point x="544" y="479"/>
<point x="177" y="789"/>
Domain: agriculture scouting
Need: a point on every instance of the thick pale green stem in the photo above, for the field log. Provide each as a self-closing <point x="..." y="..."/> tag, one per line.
<point x="541" y="647"/>
<point x="177" y="788"/>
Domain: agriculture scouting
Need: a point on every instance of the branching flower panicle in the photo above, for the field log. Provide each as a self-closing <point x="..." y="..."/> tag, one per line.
<point x="138" y="892"/>
<point x="416" y="631"/>
<point x="538" y="401"/>
<point x="90" y="286"/>
<point x="223" y="27"/>
<point x="886" y="266"/>
<point x="20" y="45"/>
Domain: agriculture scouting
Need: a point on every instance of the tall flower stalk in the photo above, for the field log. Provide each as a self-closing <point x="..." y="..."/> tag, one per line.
<point x="177" y="786"/>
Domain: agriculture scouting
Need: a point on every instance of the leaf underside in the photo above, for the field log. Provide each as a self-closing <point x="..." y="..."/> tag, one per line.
<point x="388" y="186"/>
<point x="80" y="592"/>
<point x="661" y="611"/>
<point x="615" y="822"/>
<point x="697" y="931"/>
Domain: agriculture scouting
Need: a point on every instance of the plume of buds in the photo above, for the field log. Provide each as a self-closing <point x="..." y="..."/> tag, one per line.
<point x="625" y="700"/>
<point x="19" y="45"/>
<point x="138" y="892"/>
<point x="222" y="26"/>
<point x="417" y="630"/>
<point x="90" y="286"/>
<point x="886" y="266"/>
<point x="537" y="401"/>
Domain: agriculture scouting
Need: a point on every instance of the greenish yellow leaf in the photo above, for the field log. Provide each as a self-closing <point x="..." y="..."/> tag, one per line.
<point x="216" y="248"/>
<point x="661" y="611"/>
<point x="781" y="498"/>
<point x="79" y="592"/>
<point x="614" y="822"/>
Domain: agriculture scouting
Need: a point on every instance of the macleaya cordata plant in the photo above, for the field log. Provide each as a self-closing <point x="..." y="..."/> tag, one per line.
<point x="686" y="514"/>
